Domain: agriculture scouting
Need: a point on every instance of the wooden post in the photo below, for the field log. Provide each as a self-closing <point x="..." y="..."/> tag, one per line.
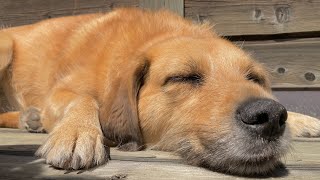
<point x="176" y="6"/>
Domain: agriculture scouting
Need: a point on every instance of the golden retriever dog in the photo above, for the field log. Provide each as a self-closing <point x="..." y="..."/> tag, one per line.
<point x="142" y="79"/>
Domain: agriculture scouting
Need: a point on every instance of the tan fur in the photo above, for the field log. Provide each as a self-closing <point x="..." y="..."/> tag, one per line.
<point x="104" y="76"/>
<point x="9" y="120"/>
<point x="303" y="126"/>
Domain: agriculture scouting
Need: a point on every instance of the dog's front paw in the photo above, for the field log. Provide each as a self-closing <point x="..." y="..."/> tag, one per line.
<point x="303" y="126"/>
<point x="73" y="148"/>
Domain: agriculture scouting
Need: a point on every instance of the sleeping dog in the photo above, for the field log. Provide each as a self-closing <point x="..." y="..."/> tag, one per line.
<point x="141" y="79"/>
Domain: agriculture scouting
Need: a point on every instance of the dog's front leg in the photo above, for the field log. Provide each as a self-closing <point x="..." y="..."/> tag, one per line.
<point x="303" y="126"/>
<point x="76" y="140"/>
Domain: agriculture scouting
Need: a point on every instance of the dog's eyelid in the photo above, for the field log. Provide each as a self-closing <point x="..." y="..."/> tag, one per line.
<point x="251" y="76"/>
<point x="193" y="78"/>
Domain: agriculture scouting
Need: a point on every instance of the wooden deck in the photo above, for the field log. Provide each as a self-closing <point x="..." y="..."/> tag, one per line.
<point x="17" y="162"/>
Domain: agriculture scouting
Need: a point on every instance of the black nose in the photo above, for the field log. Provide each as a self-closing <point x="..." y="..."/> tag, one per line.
<point x="265" y="117"/>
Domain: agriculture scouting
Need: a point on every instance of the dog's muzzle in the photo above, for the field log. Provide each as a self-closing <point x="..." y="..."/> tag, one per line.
<point x="264" y="118"/>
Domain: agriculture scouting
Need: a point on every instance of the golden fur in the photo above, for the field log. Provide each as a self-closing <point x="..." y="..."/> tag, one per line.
<point x="119" y="76"/>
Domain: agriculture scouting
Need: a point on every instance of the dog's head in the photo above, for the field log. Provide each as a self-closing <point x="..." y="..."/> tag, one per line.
<point x="205" y="99"/>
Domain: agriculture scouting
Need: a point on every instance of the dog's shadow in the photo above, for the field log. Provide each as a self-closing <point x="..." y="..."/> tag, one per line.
<point x="19" y="162"/>
<point x="279" y="172"/>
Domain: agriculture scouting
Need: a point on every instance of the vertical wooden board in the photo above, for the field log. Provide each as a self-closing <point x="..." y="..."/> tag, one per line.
<point x="247" y="17"/>
<point x="292" y="63"/>
<point x="21" y="12"/>
<point x="176" y="6"/>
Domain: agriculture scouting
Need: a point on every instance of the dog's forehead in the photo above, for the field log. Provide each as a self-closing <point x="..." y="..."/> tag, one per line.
<point x="199" y="55"/>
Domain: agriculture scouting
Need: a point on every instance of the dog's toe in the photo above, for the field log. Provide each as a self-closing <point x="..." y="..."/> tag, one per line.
<point x="74" y="148"/>
<point x="31" y="120"/>
<point x="303" y="126"/>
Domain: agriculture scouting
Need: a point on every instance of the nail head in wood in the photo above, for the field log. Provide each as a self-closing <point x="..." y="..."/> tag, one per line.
<point x="282" y="14"/>
<point x="309" y="76"/>
<point x="281" y="70"/>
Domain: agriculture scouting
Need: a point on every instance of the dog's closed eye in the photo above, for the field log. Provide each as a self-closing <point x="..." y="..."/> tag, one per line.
<point x="255" y="78"/>
<point x="194" y="79"/>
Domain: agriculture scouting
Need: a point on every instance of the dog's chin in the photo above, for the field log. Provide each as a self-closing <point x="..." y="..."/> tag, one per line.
<point x="248" y="164"/>
<point x="251" y="167"/>
<point x="237" y="154"/>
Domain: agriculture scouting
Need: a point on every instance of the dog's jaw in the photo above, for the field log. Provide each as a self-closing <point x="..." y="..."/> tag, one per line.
<point x="239" y="154"/>
<point x="233" y="154"/>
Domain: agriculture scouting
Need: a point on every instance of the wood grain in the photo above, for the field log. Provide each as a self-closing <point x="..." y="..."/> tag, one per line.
<point x="292" y="63"/>
<point x="176" y="6"/>
<point x="21" y="12"/>
<point x="247" y="17"/>
<point x="17" y="162"/>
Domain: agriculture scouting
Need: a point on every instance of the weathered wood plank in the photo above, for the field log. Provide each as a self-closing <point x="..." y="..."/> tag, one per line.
<point x="20" y="12"/>
<point x="17" y="162"/>
<point x="176" y="6"/>
<point x="247" y="17"/>
<point x="292" y="63"/>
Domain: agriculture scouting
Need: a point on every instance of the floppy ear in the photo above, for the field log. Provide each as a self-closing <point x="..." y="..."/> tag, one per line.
<point x="119" y="113"/>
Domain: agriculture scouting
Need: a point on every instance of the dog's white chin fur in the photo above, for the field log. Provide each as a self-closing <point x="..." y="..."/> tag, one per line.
<point x="229" y="155"/>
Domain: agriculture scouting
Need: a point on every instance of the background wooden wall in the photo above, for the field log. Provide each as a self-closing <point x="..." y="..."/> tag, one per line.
<point x="282" y="34"/>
